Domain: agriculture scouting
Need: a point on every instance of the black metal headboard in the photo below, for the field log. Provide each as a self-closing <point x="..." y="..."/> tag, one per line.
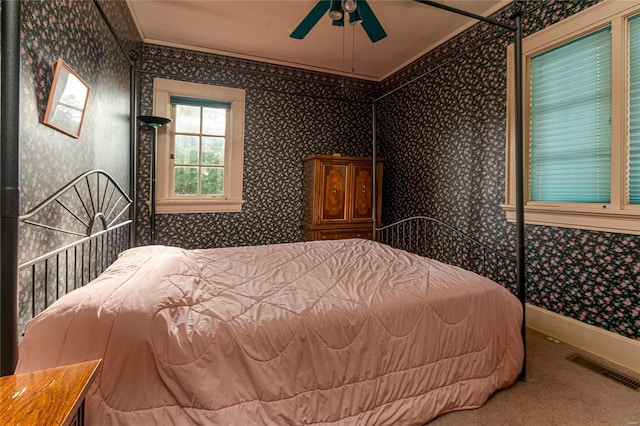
<point x="100" y="197"/>
<point x="91" y="210"/>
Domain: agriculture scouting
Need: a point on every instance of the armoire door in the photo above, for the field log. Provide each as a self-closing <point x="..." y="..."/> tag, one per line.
<point x="362" y="196"/>
<point x="334" y="193"/>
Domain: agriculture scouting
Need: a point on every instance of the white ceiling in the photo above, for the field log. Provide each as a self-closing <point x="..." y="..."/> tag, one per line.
<point x="260" y="29"/>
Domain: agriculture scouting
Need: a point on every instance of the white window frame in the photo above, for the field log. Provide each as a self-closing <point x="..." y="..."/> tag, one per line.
<point x="231" y="199"/>
<point x="615" y="216"/>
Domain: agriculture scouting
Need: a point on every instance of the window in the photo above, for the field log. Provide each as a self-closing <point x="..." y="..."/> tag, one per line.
<point x="634" y="108"/>
<point x="200" y="153"/>
<point x="570" y="132"/>
<point x="581" y="122"/>
<point x="201" y="128"/>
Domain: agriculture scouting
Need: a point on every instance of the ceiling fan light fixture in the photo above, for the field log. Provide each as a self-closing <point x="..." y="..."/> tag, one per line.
<point x="362" y="14"/>
<point x="349" y="6"/>
<point x="335" y="11"/>
<point x="354" y="17"/>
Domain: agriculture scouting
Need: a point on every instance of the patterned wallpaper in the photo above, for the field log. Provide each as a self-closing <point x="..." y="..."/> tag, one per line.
<point x="448" y="147"/>
<point x="75" y="32"/>
<point x="290" y="114"/>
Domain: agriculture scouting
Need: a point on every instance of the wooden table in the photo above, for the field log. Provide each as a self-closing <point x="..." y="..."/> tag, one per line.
<point x="51" y="397"/>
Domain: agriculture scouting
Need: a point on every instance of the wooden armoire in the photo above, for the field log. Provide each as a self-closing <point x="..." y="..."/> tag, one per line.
<point x="338" y="197"/>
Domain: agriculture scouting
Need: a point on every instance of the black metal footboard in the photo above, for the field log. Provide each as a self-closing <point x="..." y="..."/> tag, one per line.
<point x="435" y="239"/>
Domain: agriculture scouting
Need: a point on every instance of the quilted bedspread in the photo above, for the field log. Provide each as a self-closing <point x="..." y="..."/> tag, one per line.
<point x="346" y="332"/>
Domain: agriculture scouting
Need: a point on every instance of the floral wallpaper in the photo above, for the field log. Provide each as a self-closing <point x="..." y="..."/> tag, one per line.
<point x="76" y="32"/>
<point x="444" y="140"/>
<point x="290" y="114"/>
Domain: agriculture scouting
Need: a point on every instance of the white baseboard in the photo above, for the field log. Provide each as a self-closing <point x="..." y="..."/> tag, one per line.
<point x="608" y="345"/>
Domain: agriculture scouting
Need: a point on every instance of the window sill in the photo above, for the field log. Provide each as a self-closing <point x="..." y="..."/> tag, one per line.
<point x="618" y="221"/>
<point x="198" y="206"/>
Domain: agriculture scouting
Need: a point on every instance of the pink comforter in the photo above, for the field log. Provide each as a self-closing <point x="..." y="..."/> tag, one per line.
<point x="350" y="331"/>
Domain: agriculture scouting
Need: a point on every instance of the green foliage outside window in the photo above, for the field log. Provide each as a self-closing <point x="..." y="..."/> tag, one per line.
<point x="187" y="149"/>
<point x="212" y="179"/>
<point x="185" y="180"/>
<point x="199" y="150"/>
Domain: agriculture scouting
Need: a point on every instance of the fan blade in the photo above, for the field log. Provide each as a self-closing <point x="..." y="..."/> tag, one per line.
<point x="370" y="23"/>
<point x="311" y="19"/>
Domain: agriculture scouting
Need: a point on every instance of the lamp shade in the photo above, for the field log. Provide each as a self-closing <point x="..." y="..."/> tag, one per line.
<point x="153" y="121"/>
<point x="349" y="5"/>
<point x="335" y="11"/>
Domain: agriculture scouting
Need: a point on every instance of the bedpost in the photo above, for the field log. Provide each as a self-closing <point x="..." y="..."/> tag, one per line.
<point x="520" y="237"/>
<point x="131" y="57"/>
<point x="521" y="282"/>
<point x="375" y="171"/>
<point x="133" y="148"/>
<point x="10" y="196"/>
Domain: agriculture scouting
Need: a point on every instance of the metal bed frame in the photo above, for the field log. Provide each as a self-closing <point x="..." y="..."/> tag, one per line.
<point x="90" y="255"/>
<point x="432" y="238"/>
<point x="94" y="205"/>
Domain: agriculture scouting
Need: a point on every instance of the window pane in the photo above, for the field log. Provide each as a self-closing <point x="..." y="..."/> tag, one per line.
<point x="570" y="139"/>
<point x="187" y="119"/>
<point x="212" y="180"/>
<point x="215" y="121"/>
<point x="187" y="150"/>
<point x="212" y="150"/>
<point x="633" y="172"/>
<point x="185" y="181"/>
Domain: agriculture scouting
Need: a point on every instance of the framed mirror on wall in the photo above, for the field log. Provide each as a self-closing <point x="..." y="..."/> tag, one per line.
<point x="67" y="100"/>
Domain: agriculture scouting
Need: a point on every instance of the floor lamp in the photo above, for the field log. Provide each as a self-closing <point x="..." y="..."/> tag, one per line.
<point x="154" y="123"/>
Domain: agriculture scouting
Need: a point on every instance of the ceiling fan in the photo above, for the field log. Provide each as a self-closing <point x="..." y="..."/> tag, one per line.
<point x="358" y="10"/>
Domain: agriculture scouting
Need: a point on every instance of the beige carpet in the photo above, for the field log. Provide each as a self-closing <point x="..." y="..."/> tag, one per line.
<point x="557" y="392"/>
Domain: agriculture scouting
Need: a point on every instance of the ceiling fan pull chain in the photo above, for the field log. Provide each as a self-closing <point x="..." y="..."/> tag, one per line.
<point x="344" y="71"/>
<point x="353" y="49"/>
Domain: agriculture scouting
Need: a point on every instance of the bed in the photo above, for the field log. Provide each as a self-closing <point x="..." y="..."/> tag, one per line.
<point x="346" y="331"/>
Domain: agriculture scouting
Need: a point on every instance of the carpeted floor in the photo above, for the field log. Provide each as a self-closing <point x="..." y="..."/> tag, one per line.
<point x="556" y="392"/>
